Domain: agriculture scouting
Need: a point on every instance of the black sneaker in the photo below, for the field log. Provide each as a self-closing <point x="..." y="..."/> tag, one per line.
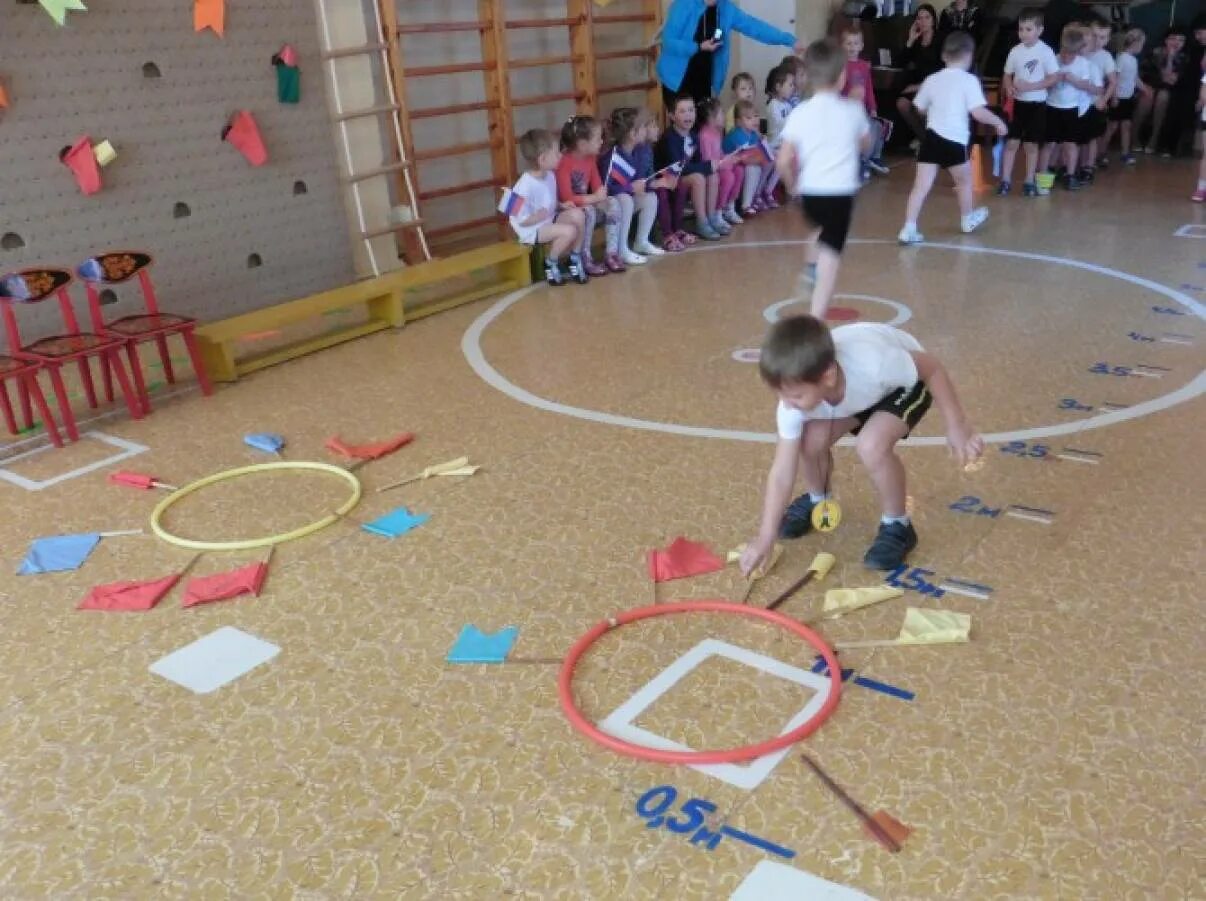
<point x="577" y="269"/>
<point x="892" y="544"/>
<point x="797" y="520"/>
<point x="553" y="274"/>
<point x="1030" y="189"/>
<point x="1086" y="175"/>
<point x="1072" y="183"/>
<point x="1004" y="188"/>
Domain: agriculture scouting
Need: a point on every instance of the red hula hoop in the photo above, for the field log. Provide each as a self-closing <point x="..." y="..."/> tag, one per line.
<point x="735" y="755"/>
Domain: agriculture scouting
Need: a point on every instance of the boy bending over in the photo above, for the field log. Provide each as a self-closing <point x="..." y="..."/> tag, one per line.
<point x="869" y="379"/>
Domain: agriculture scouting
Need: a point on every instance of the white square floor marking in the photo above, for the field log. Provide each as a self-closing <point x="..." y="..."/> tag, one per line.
<point x="1190" y="231"/>
<point x="214" y="660"/>
<point x="774" y="881"/>
<point x="620" y="722"/>
<point x="126" y="450"/>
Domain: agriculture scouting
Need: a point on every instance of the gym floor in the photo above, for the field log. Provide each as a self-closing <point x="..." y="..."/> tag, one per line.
<point x="1058" y="754"/>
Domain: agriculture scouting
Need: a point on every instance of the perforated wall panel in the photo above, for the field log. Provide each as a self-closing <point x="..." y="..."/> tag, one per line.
<point x="88" y="79"/>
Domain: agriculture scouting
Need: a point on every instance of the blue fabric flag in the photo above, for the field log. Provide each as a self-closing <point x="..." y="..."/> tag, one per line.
<point x="396" y="523"/>
<point x="268" y="442"/>
<point x="475" y="646"/>
<point x="59" y="553"/>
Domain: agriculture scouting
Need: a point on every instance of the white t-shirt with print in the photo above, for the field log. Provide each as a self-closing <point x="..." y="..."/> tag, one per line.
<point x="539" y="192"/>
<point x="1066" y="96"/>
<point x="946" y="98"/>
<point x="875" y="359"/>
<point x="1128" y="75"/>
<point x="1031" y="64"/>
<point x="825" y="131"/>
<point x="1097" y="76"/>
<point x="777" y="112"/>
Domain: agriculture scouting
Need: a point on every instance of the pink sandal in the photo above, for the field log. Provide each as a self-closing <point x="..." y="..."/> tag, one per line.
<point x="685" y="237"/>
<point x="673" y="245"/>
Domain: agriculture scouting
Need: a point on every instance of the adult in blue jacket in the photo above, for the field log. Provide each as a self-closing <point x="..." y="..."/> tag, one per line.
<point x="692" y="61"/>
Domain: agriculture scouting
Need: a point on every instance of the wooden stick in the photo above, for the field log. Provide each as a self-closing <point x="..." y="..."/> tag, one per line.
<point x="792" y="589"/>
<point x="120" y="533"/>
<point x="405" y="481"/>
<point x="534" y="660"/>
<point x="868" y="821"/>
<point x="749" y="586"/>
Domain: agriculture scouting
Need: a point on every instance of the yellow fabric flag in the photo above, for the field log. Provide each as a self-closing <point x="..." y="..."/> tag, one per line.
<point x="767" y="565"/>
<point x="934" y="626"/>
<point x="844" y="600"/>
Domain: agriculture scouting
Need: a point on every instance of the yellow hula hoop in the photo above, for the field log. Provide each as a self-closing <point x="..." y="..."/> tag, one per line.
<point x="252" y="543"/>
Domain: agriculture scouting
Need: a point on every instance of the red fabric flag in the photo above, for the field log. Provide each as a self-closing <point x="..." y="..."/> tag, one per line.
<point x="681" y="559"/>
<point x="247" y="579"/>
<point x="244" y="134"/>
<point x="128" y="595"/>
<point x="369" y="451"/>
<point x="81" y="160"/>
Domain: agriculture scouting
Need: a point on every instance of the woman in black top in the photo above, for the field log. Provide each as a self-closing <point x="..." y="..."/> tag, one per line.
<point x="961" y="15"/>
<point x="921" y="58"/>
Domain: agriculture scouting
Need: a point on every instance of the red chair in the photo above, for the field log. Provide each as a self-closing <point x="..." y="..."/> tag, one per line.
<point x="114" y="268"/>
<point x="30" y="286"/>
<point x="26" y="376"/>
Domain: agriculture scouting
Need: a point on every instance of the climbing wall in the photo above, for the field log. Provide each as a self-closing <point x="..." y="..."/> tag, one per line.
<point x="227" y="236"/>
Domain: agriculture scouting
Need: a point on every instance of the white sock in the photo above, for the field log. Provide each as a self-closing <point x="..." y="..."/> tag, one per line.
<point x="1202" y="184"/>
<point x="817" y="498"/>
<point x="910" y="226"/>
<point x="888" y="520"/>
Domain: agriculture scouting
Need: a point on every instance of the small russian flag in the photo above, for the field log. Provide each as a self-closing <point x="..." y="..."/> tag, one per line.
<point x="511" y="203"/>
<point x="620" y="171"/>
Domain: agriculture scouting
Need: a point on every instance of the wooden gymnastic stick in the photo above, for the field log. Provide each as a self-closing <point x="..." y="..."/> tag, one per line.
<point x="821" y="564"/>
<point x="881" y="835"/>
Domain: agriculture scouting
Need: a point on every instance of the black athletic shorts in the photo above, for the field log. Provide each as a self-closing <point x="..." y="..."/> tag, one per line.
<point x="940" y="152"/>
<point x="1063" y="125"/>
<point x="1124" y="111"/>
<point x="1029" y="122"/>
<point x="831" y="214"/>
<point x="1092" y="125"/>
<point x="909" y="404"/>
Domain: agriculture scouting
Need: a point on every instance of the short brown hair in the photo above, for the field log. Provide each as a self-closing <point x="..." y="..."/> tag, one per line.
<point x="796" y="349"/>
<point x="743" y="108"/>
<point x="1072" y="39"/>
<point x="824" y="63"/>
<point x="852" y="28"/>
<point x="958" y="44"/>
<point x="535" y="142"/>
<point x="1031" y="14"/>
<point x="741" y="77"/>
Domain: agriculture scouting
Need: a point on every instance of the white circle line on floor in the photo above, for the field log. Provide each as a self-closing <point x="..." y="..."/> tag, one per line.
<point x="471" y="347"/>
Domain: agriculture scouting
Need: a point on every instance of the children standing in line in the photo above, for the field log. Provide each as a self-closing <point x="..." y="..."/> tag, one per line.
<point x="743" y="87"/>
<point x="626" y="170"/>
<point x="868" y="379"/>
<point x="1030" y="69"/>
<point x="819" y="161"/>
<point x="729" y="173"/>
<point x="948" y="98"/>
<point x="679" y="146"/>
<point x="860" y="87"/>
<point x="1122" y="107"/>
<point x="780" y="87"/>
<point x="541" y="219"/>
<point x="1199" y="195"/>
<point x="578" y="183"/>
<point x="1105" y="78"/>
<point x="1071" y="92"/>
<point x="744" y="138"/>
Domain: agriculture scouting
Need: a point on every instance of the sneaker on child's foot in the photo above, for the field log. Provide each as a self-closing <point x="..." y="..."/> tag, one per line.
<point x="1072" y="183"/>
<point x="633" y="259"/>
<point x="647" y="249"/>
<point x="553" y="274"/>
<point x="577" y="269"/>
<point x="719" y="225"/>
<point x="1086" y="175"/>
<point x="1004" y="188"/>
<point x="749" y="212"/>
<point x="1030" y="189"/>
<point x="877" y="166"/>
<point x="910" y="236"/>
<point x="974" y="219"/>
<point x="1128" y="159"/>
<point x="1198" y="196"/>
<point x="797" y="520"/>
<point x="768" y="201"/>
<point x="705" y="231"/>
<point x="892" y="544"/>
<point x="731" y="217"/>
<point x="1103" y="162"/>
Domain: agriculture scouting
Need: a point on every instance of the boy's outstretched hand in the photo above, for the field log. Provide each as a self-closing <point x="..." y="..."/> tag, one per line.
<point x="755" y="554"/>
<point x="965" y="443"/>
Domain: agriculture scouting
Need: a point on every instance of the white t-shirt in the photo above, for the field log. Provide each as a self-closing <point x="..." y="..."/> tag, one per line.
<point x="876" y="359"/>
<point x="1031" y="64"/>
<point x="1204" y="108"/>
<point x="1128" y="75"/>
<point x="1066" y="96"/>
<point x="825" y="131"/>
<point x="946" y="98"/>
<point x="1097" y="76"/>
<point x="539" y="192"/>
<point x="1103" y="61"/>
<point x="777" y="112"/>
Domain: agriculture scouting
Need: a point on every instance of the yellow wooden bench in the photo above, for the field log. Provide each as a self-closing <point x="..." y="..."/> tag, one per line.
<point x="384" y="300"/>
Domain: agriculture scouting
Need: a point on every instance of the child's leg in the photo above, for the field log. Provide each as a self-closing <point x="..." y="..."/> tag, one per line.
<point x="1031" y="150"/>
<point x="627" y="209"/>
<point x="828" y="263"/>
<point x="665" y="218"/>
<point x="649" y="206"/>
<point x="963" y="187"/>
<point x="1200" y="194"/>
<point x="1159" y="111"/>
<point x="712" y="185"/>
<point x="561" y="236"/>
<point x="730" y="180"/>
<point x="1111" y="127"/>
<point x="768" y="187"/>
<point x="922" y="183"/>
<point x="588" y="230"/>
<point x="876" y="446"/>
<point x="697" y="184"/>
<point x="816" y="452"/>
<point x="1044" y="159"/>
<point x="749" y="188"/>
<point x="1070" y="157"/>
<point x="877" y="143"/>
<point x="1008" y="157"/>
<point x="1124" y="139"/>
<point x="611" y="226"/>
<point x="681" y="190"/>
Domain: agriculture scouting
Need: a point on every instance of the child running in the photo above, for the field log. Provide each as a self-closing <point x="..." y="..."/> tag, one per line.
<point x="578" y="183"/>
<point x="869" y="379"/>
<point x="948" y="98"/>
<point x="1030" y="69"/>
<point x="819" y="161"/>
<point x="627" y="168"/>
<point x="541" y="219"/>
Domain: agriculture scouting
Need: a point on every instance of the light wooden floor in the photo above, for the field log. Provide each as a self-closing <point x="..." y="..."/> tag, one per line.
<point x="1058" y="755"/>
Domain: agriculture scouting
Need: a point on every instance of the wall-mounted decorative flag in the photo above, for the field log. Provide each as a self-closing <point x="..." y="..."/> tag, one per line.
<point x="288" y="75"/>
<point x="210" y="14"/>
<point x="57" y="9"/>
<point x="81" y="160"/>
<point x="244" y="134"/>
